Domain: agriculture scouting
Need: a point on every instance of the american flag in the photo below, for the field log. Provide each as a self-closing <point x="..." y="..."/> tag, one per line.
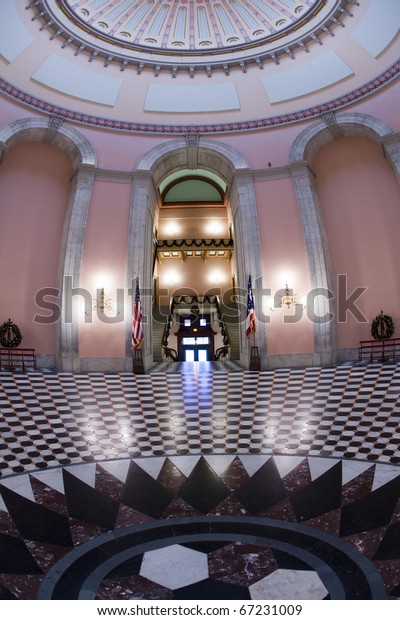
<point x="251" y="315"/>
<point x="137" y="325"/>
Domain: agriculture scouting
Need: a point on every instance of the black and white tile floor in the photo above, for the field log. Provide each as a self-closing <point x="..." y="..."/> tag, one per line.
<point x="282" y="482"/>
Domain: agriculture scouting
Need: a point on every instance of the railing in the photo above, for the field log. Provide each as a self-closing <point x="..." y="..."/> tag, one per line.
<point x="193" y="243"/>
<point x="13" y="359"/>
<point x="379" y="350"/>
<point x="222" y="354"/>
<point x="224" y="332"/>
<point x="169" y="355"/>
<point x="166" y="332"/>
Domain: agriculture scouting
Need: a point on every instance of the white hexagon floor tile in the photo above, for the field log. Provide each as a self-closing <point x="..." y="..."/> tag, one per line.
<point x="174" y="566"/>
<point x="287" y="585"/>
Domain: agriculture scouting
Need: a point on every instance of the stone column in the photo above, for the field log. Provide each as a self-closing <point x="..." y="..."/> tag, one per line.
<point x="69" y="274"/>
<point x="3" y="148"/>
<point x="248" y="255"/>
<point x="140" y="260"/>
<point x="391" y="144"/>
<point x="319" y="264"/>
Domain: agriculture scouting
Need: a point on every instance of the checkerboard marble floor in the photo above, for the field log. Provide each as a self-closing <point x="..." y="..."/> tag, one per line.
<point x="311" y="453"/>
<point x="50" y="419"/>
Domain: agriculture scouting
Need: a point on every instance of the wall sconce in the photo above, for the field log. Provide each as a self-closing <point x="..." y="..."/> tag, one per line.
<point x="101" y="303"/>
<point x="287" y="299"/>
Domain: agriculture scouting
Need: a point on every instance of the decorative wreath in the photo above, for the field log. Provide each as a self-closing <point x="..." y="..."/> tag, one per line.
<point x="382" y="327"/>
<point x="10" y="335"/>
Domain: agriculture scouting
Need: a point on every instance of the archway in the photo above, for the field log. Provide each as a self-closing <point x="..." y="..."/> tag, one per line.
<point x="303" y="152"/>
<point x="83" y="160"/>
<point x="195" y="153"/>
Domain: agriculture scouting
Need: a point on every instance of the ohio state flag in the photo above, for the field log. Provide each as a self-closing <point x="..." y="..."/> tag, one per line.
<point x="251" y="315"/>
<point x="137" y="325"/>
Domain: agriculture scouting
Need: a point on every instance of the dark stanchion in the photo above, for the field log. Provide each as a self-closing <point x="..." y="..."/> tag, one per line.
<point x="138" y="366"/>
<point x="255" y="363"/>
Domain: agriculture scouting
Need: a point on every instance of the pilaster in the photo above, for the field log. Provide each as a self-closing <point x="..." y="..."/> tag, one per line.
<point x="247" y="245"/>
<point x="324" y="320"/>
<point x="70" y="264"/>
<point x="140" y="259"/>
<point x="391" y="145"/>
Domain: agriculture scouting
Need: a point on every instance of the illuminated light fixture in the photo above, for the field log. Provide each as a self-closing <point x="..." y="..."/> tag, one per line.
<point x="287" y="299"/>
<point x="214" y="228"/>
<point x="172" y="228"/>
<point x="175" y="253"/>
<point x="212" y="253"/>
<point x="101" y="303"/>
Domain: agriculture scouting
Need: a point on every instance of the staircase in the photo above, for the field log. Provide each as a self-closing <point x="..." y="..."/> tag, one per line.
<point x="229" y="313"/>
<point x="233" y="333"/>
<point x="231" y="321"/>
<point x="159" y="323"/>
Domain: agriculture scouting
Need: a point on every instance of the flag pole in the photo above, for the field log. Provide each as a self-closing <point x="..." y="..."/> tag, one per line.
<point x="255" y="363"/>
<point x="137" y="327"/>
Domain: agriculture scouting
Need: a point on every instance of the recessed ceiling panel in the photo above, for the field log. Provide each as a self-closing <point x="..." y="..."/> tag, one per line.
<point x="177" y="98"/>
<point x="303" y="79"/>
<point x="14" y="37"/>
<point x="62" y="75"/>
<point x="379" y="27"/>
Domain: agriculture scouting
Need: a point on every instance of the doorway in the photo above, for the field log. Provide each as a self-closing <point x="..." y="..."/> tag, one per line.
<point x="195" y="338"/>
<point x="196" y="355"/>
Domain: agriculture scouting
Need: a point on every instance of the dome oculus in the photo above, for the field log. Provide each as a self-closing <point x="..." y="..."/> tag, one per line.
<point x="190" y="33"/>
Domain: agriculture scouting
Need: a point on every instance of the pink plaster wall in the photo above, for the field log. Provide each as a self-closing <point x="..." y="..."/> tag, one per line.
<point x="284" y="257"/>
<point x="104" y="263"/>
<point x="34" y="188"/>
<point x="360" y="200"/>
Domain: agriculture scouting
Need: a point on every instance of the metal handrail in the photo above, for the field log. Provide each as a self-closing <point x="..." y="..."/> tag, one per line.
<point x="170" y="354"/>
<point x="221" y="352"/>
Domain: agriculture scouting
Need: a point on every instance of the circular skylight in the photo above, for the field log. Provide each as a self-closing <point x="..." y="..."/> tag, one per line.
<point x="189" y="33"/>
<point x="187" y="26"/>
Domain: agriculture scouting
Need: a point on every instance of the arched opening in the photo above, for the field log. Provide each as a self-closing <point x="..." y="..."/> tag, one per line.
<point x="194" y="270"/>
<point x="306" y="151"/>
<point x="34" y="189"/>
<point x="200" y="228"/>
<point x="79" y="158"/>
<point x="361" y="229"/>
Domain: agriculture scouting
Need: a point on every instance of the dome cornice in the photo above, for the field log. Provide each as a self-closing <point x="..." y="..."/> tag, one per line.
<point x="382" y="80"/>
<point x="241" y="34"/>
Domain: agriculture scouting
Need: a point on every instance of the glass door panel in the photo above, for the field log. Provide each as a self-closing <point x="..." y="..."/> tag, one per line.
<point x="202" y="355"/>
<point x="189" y="355"/>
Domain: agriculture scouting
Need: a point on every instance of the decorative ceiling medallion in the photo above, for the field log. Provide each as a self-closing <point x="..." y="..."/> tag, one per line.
<point x="189" y="34"/>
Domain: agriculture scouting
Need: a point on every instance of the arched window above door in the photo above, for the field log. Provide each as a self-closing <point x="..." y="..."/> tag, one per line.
<point x="192" y="187"/>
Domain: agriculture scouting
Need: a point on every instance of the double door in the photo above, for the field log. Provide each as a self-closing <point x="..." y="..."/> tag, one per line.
<point x="196" y="354"/>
